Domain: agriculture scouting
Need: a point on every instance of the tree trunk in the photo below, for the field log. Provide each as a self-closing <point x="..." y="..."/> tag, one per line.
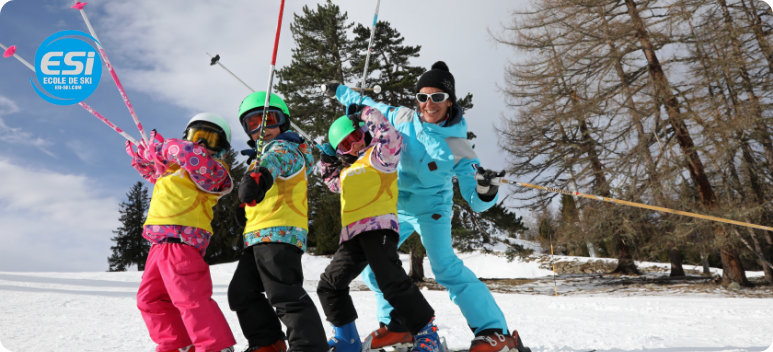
<point x="758" y="32"/>
<point x="705" y="263"/>
<point x="733" y="269"/>
<point x="417" y="265"/>
<point x="676" y="262"/>
<point x="762" y="134"/>
<point x="625" y="264"/>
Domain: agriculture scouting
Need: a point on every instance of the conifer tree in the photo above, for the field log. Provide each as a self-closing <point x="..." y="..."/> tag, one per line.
<point x="226" y="244"/>
<point x="130" y="247"/>
<point x="389" y="65"/>
<point x="471" y="230"/>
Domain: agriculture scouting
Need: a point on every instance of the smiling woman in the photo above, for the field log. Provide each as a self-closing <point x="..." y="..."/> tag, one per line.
<point x="432" y="133"/>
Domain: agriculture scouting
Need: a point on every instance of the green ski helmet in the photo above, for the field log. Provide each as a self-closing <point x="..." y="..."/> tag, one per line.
<point x="340" y="128"/>
<point x="257" y="100"/>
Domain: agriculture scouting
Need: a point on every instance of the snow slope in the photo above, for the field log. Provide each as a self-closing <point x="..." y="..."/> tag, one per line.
<point x="97" y="312"/>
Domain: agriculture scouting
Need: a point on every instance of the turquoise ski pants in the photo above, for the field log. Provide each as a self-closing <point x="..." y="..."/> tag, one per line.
<point x="466" y="291"/>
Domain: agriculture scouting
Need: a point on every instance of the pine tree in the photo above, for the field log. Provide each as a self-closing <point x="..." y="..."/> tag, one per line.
<point x="322" y="53"/>
<point x="471" y="230"/>
<point x="226" y="244"/>
<point x="131" y="247"/>
<point x="389" y="65"/>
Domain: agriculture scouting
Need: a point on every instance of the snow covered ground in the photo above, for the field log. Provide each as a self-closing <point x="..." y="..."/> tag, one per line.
<point x="97" y="312"/>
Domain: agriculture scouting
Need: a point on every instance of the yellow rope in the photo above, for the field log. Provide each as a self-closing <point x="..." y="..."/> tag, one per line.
<point x="639" y="205"/>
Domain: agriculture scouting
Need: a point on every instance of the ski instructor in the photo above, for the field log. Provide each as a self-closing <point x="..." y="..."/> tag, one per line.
<point x="435" y="150"/>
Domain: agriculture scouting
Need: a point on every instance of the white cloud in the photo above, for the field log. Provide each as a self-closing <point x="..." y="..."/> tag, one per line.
<point x="82" y="150"/>
<point x="2" y="3"/>
<point x="15" y="135"/>
<point x="53" y="221"/>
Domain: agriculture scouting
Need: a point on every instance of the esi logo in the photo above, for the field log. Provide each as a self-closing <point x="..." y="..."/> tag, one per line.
<point x="68" y="68"/>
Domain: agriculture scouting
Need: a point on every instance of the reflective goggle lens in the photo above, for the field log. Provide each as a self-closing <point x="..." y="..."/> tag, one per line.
<point x="210" y="137"/>
<point x="252" y="121"/>
<point x="436" y="97"/>
<point x="345" y="146"/>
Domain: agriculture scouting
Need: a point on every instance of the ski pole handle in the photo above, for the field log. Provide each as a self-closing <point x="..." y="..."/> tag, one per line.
<point x="255" y="176"/>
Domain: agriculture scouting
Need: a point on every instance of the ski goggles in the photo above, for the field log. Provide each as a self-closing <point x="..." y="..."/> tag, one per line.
<point x="436" y="97"/>
<point x="274" y="118"/>
<point x="346" y="144"/>
<point x="211" y="137"/>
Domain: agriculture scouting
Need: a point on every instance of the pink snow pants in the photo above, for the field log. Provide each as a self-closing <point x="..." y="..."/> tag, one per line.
<point x="175" y="299"/>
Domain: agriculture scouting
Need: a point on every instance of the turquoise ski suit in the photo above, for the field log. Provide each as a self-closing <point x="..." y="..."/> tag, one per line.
<point x="431" y="156"/>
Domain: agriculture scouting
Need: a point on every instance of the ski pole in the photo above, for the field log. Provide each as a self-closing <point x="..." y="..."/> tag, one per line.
<point x="259" y="147"/>
<point x="376" y="89"/>
<point x="367" y="55"/>
<point x="216" y="60"/>
<point x="79" y="6"/>
<point x="11" y="51"/>
<point x="633" y="204"/>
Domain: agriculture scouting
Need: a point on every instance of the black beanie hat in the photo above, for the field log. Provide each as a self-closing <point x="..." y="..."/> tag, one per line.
<point x="438" y="77"/>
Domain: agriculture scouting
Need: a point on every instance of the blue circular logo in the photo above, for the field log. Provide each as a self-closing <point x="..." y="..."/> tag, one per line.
<point x="68" y="69"/>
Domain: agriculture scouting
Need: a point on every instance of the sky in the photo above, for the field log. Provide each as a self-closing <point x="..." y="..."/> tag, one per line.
<point x="65" y="173"/>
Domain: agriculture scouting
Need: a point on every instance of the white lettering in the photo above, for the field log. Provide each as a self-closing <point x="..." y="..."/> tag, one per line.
<point x="70" y="62"/>
<point x="90" y="63"/>
<point x="46" y="62"/>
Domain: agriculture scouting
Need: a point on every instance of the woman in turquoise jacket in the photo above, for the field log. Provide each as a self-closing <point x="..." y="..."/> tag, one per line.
<point x="435" y="150"/>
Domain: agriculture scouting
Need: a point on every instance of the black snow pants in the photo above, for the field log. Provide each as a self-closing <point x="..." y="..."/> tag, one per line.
<point x="275" y="268"/>
<point x="379" y="249"/>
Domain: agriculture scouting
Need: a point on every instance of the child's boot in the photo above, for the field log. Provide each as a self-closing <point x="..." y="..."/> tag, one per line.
<point x="278" y="346"/>
<point x="427" y="340"/>
<point x="345" y="339"/>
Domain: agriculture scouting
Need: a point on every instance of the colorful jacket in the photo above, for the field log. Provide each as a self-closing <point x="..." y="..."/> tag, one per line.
<point x="386" y="141"/>
<point x="284" y="155"/>
<point x="208" y="175"/>
<point x="432" y="156"/>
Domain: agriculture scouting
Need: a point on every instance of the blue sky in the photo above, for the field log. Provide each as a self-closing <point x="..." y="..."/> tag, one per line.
<point x="64" y="172"/>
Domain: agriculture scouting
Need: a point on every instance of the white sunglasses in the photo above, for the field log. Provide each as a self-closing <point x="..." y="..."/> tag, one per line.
<point x="436" y="97"/>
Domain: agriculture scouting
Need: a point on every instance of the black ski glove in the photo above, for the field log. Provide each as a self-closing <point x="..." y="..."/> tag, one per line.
<point x="354" y="113"/>
<point x="488" y="183"/>
<point x="252" y="191"/>
<point x="330" y="88"/>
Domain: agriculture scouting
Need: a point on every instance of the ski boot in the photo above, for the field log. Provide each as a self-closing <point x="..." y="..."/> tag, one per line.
<point x="278" y="346"/>
<point x="345" y="339"/>
<point x="377" y="340"/>
<point x="427" y="340"/>
<point x="497" y="342"/>
<point x="185" y="349"/>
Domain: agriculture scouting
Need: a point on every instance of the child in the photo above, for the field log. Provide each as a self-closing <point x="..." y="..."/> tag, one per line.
<point x="175" y="295"/>
<point x="276" y="222"/>
<point x="368" y="187"/>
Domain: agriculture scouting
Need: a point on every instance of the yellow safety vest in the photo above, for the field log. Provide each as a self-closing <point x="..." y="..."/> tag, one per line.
<point x="367" y="191"/>
<point x="285" y="204"/>
<point x="177" y="200"/>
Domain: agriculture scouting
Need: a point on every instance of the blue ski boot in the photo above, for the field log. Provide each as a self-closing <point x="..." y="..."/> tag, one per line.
<point x="427" y="340"/>
<point x="345" y="339"/>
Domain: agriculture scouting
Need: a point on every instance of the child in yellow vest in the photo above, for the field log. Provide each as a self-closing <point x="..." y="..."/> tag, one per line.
<point x="175" y="295"/>
<point x="368" y="147"/>
<point x="276" y="226"/>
